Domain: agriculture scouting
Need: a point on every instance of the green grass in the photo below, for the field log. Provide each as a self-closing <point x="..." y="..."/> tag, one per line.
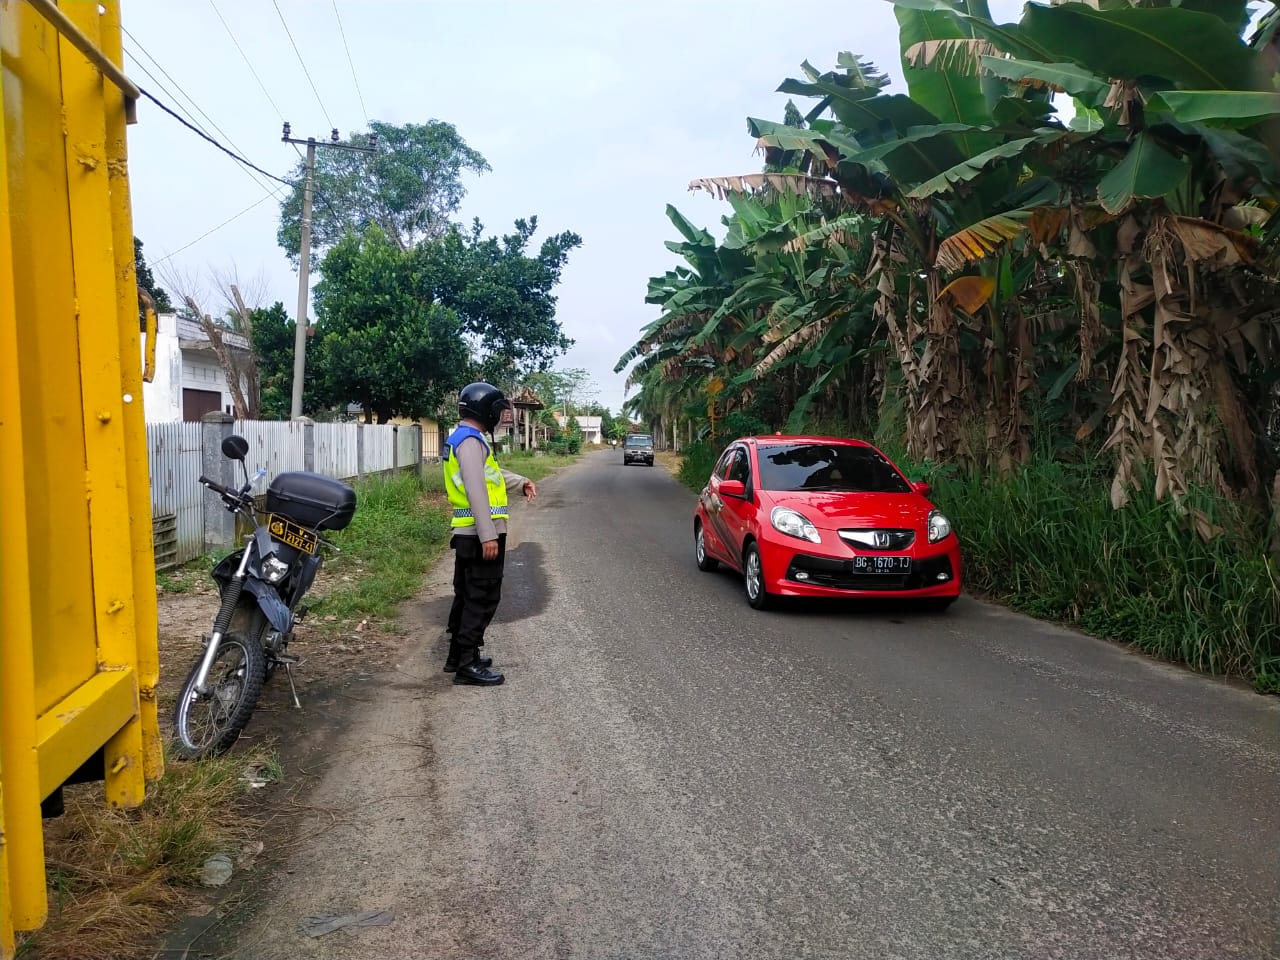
<point x="1044" y="539"/>
<point x="696" y="464"/>
<point x="398" y="530"/>
<point x="183" y="579"/>
<point x="536" y="468"/>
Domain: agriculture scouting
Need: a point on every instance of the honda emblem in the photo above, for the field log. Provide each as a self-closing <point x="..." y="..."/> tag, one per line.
<point x="881" y="539"/>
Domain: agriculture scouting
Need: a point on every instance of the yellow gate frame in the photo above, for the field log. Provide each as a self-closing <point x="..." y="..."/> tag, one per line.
<point x="78" y="657"/>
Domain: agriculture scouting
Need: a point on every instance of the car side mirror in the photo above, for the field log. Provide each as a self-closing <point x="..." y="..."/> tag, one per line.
<point x="235" y="448"/>
<point x="733" y="488"/>
<point x="921" y="487"/>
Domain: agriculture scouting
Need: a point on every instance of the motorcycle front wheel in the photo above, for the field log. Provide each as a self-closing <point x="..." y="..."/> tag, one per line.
<point x="208" y="724"/>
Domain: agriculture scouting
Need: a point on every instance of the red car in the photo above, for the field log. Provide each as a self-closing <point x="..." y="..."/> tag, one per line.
<point x="824" y="517"/>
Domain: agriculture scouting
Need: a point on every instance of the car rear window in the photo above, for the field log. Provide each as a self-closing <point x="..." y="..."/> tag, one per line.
<point x="827" y="466"/>
<point x="639" y="441"/>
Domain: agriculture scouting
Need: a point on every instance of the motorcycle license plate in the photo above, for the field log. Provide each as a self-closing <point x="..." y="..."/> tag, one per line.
<point x="291" y="534"/>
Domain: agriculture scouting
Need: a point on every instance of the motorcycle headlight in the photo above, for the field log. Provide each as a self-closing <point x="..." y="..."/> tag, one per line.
<point x="785" y="520"/>
<point x="274" y="569"/>
<point x="939" y="526"/>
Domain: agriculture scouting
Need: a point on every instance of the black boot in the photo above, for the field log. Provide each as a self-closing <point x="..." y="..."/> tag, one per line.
<point x="474" y="674"/>
<point x="455" y="654"/>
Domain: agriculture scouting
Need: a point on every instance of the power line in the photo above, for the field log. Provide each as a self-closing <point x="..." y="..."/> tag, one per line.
<point x="204" y="136"/>
<point x="257" y="203"/>
<point x="289" y="33"/>
<point x="248" y="63"/>
<point x="351" y="62"/>
<point x="177" y="85"/>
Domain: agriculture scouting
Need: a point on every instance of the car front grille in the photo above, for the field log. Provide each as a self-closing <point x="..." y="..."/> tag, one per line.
<point x="878" y="538"/>
<point x="837" y="574"/>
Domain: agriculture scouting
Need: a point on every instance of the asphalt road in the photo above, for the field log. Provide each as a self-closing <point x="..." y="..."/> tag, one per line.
<point x="669" y="774"/>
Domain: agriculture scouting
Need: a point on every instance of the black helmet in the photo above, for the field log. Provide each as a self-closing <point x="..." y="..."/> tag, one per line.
<point x="483" y="402"/>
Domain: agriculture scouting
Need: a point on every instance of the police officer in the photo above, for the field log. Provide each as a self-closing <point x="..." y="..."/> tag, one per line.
<point x="477" y="489"/>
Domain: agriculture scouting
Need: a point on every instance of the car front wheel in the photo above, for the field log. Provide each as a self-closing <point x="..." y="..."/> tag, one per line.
<point x="753" y="578"/>
<point x="705" y="563"/>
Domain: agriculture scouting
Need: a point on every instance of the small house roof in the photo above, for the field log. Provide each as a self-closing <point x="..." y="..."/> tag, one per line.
<point x="191" y="333"/>
<point x="527" y="399"/>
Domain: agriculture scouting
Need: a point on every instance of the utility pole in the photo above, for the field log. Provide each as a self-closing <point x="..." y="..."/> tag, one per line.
<point x="304" y="254"/>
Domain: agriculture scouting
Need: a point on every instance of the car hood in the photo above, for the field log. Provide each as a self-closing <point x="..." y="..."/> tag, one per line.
<point x="835" y="511"/>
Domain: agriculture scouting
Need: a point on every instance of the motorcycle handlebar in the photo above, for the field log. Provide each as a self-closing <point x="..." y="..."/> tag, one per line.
<point x="214" y="485"/>
<point x="234" y="499"/>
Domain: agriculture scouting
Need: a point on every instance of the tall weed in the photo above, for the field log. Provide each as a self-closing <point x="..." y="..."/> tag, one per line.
<point x="1046" y="540"/>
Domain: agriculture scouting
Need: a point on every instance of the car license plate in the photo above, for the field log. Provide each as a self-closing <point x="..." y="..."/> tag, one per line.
<point x="291" y="534"/>
<point x="881" y="564"/>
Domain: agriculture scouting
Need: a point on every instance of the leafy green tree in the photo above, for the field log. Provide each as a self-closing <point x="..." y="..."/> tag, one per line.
<point x="501" y="292"/>
<point x="380" y="343"/>
<point x="273" y="342"/>
<point x="571" y="389"/>
<point x="408" y="188"/>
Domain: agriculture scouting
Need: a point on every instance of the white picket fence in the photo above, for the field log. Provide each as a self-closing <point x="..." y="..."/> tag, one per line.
<point x="177" y="453"/>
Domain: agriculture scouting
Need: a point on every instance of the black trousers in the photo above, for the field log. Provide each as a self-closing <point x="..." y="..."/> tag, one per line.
<point x="477" y="589"/>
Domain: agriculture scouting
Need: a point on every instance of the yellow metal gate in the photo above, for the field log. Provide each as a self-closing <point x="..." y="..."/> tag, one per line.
<point x="78" y="660"/>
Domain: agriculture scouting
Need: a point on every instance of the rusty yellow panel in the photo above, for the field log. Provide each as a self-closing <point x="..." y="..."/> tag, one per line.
<point x="137" y="468"/>
<point x="102" y="386"/>
<point x="53" y="464"/>
<point x="22" y="902"/>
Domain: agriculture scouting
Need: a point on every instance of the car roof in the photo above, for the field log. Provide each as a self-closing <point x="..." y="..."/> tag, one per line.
<point x="776" y="438"/>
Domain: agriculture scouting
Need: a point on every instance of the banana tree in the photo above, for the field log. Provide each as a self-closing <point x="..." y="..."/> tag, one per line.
<point x="1167" y="172"/>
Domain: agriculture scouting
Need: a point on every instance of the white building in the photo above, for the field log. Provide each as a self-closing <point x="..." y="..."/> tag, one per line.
<point x="592" y="427"/>
<point x="189" y="381"/>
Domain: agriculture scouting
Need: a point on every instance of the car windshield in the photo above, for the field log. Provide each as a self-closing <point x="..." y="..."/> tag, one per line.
<point x="827" y="466"/>
<point x="639" y="441"/>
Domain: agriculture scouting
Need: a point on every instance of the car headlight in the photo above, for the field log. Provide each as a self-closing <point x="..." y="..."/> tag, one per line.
<point x="274" y="569"/>
<point x="939" y="526"/>
<point x="785" y="520"/>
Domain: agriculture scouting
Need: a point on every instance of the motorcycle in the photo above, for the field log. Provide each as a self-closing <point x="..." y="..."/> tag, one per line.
<point x="261" y="587"/>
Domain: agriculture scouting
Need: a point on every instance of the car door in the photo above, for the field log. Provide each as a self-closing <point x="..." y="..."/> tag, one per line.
<point x="713" y="505"/>
<point x="738" y="513"/>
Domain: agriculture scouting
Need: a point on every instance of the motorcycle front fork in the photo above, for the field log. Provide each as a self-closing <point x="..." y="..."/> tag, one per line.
<point x="230" y="599"/>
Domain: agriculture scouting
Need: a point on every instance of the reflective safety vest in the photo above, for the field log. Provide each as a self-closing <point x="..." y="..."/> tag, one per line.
<point x="493" y="481"/>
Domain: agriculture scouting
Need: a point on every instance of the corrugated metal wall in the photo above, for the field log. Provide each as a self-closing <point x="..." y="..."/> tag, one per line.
<point x="336" y="449"/>
<point x="177" y="499"/>
<point x="408" y="446"/>
<point x="176" y="456"/>
<point x="278" y="445"/>
<point x="379" y="448"/>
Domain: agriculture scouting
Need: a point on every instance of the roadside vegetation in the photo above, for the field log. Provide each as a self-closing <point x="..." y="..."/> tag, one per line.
<point x="118" y="877"/>
<point x="1067" y="324"/>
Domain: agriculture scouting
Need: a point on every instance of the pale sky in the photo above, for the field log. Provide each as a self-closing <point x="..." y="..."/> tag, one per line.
<point x="593" y="116"/>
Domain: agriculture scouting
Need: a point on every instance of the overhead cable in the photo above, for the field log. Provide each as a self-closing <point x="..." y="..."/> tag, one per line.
<point x="350" y="62"/>
<point x="204" y="136"/>
<point x="289" y="33"/>
<point x="247" y="61"/>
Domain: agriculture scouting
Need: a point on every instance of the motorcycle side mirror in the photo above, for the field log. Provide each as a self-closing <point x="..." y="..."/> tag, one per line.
<point x="235" y="448"/>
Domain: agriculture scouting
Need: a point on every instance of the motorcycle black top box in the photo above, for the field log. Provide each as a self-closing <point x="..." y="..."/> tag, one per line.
<point x="312" y="500"/>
